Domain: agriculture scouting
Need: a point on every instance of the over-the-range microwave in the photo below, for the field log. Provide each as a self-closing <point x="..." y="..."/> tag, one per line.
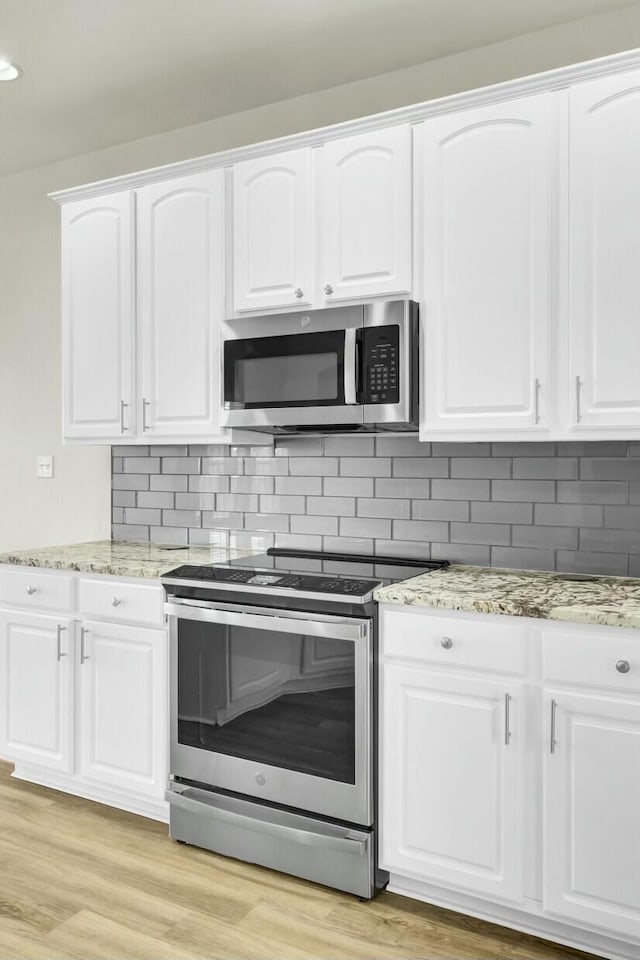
<point x="352" y="368"/>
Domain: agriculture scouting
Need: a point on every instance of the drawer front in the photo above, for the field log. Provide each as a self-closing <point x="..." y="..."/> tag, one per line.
<point x="448" y="642"/>
<point x="595" y="659"/>
<point x="120" y="601"/>
<point x="33" y="590"/>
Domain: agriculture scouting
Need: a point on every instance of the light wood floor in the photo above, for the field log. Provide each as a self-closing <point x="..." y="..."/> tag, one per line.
<point x="81" y="880"/>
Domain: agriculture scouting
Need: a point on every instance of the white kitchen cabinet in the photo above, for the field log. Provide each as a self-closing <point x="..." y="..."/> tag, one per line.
<point x="604" y="252"/>
<point x="272" y="231"/>
<point x="487" y="177"/>
<point x="365" y="216"/>
<point x="591" y="848"/>
<point x="144" y="367"/>
<point x="181" y="298"/>
<point x="452" y="780"/>
<point x="83" y="685"/>
<point x="317" y="226"/>
<point x="123" y="722"/>
<point x="36" y="689"/>
<point x="98" y="317"/>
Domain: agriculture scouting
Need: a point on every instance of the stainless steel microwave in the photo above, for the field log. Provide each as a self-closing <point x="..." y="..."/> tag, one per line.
<point x="352" y="368"/>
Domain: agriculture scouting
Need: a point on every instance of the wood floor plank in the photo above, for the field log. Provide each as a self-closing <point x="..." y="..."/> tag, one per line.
<point x="103" y="939"/>
<point x="82" y="881"/>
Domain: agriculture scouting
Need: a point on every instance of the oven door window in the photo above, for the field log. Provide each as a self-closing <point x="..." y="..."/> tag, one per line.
<point x="301" y="370"/>
<point x="281" y="699"/>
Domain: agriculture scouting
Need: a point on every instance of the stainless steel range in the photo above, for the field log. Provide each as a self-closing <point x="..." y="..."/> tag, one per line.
<point x="273" y="711"/>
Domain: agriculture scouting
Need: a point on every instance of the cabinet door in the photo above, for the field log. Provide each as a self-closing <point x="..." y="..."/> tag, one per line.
<point x="488" y="248"/>
<point x="365" y="215"/>
<point x="452" y="780"/>
<point x="98" y="317"/>
<point x="181" y="302"/>
<point x="604" y="251"/>
<point x="36" y="684"/>
<point x="272" y="231"/>
<point x="592" y="842"/>
<point x="123" y="707"/>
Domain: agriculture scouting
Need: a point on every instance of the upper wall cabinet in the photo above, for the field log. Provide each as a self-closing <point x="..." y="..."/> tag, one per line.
<point x="604" y="258"/>
<point x="98" y="316"/>
<point x="272" y="231"/>
<point x="134" y="372"/>
<point x="486" y="178"/>
<point x="181" y="293"/>
<point x="317" y="225"/>
<point x="365" y="215"/>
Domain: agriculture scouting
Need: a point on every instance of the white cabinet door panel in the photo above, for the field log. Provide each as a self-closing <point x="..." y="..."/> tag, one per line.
<point x="592" y="840"/>
<point x="488" y="249"/>
<point x="451" y="785"/>
<point x="123" y="707"/>
<point x="365" y="215"/>
<point x="604" y="218"/>
<point x="36" y="684"/>
<point x="98" y="317"/>
<point x="181" y="276"/>
<point x="272" y="231"/>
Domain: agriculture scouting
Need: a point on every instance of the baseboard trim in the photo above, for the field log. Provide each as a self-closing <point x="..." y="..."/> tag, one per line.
<point x="143" y="806"/>
<point x="528" y="920"/>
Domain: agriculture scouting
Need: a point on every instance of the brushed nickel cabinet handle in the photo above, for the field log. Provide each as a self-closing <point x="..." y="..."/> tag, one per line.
<point x="328" y="289"/>
<point x="447" y="643"/>
<point x="116" y="601"/>
<point x="83" y="632"/>
<point x="537" y="388"/>
<point x="145" y="425"/>
<point x="507" y="731"/>
<point x="123" y="407"/>
<point x="552" y="740"/>
<point x="298" y="293"/>
<point x="31" y="590"/>
<point x="578" y="399"/>
<point x="60" y="654"/>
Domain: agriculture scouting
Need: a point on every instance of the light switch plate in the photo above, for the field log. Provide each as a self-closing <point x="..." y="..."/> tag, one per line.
<point x="44" y="468"/>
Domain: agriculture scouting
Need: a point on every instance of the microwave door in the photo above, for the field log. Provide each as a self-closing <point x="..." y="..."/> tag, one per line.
<point x="301" y="379"/>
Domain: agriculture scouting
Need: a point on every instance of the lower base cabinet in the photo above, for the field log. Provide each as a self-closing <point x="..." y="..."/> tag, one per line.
<point x="123" y="726"/>
<point x="84" y="700"/>
<point x="36" y="690"/>
<point x="592" y="816"/>
<point x="515" y="798"/>
<point x="452" y="780"/>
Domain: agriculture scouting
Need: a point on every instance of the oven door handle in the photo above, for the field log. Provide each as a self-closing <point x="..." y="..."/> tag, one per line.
<point x="351" y="841"/>
<point x="349" y="630"/>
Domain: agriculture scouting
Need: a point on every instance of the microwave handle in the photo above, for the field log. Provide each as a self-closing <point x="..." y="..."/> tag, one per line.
<point x="350" y="366"/>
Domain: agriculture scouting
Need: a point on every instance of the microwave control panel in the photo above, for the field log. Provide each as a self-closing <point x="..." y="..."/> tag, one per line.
<point x="380" y="352"/>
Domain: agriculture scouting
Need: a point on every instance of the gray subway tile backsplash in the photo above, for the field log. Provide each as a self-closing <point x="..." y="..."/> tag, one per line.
<point x="566" y="506"/>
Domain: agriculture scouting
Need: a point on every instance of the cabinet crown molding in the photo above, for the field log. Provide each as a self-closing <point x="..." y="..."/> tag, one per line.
<point x="500" y="92"/>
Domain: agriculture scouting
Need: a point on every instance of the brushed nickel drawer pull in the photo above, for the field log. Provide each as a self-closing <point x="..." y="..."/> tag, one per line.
<point x="552" y="743"/>
<point x="83" y="632"/>
<point x="622" y="666"/>
<point x="507" y="731"/>
<point x="60" y="654"/>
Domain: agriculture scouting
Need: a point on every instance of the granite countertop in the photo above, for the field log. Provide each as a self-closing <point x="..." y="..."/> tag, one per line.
<point x="610" y="601"/>
<point x="122" y="558"/>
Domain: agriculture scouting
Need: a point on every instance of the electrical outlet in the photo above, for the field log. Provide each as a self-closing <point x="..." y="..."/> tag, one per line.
<point x="44" y="468"/>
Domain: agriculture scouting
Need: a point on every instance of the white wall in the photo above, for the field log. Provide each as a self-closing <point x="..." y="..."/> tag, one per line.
<point x="74" y="506"/>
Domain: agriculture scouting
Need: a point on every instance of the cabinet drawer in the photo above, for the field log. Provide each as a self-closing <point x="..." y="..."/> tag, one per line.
<point x="448" y="642"/>
<point x="126" y="602"/>
<point x="592" y="658"/>
<point x="36" y="591"/>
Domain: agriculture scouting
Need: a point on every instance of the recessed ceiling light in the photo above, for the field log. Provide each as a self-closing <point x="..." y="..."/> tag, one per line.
<point x="8" y="70"/>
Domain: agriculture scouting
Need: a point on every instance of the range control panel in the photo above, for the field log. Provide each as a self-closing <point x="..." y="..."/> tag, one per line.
<point x="258" y="578"/>
<point x="380" y="361"/>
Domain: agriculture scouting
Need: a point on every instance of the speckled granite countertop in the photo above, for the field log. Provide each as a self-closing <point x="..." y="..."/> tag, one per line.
<point x="610" y="601"/>
<point x="121" y="558"/>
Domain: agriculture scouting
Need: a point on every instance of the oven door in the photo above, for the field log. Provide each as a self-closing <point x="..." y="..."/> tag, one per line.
<point x="295" y="379"/>
<point x="274" y="705"/>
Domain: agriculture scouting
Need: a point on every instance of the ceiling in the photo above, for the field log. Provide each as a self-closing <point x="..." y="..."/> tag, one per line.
<point x="101" y="72"/>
